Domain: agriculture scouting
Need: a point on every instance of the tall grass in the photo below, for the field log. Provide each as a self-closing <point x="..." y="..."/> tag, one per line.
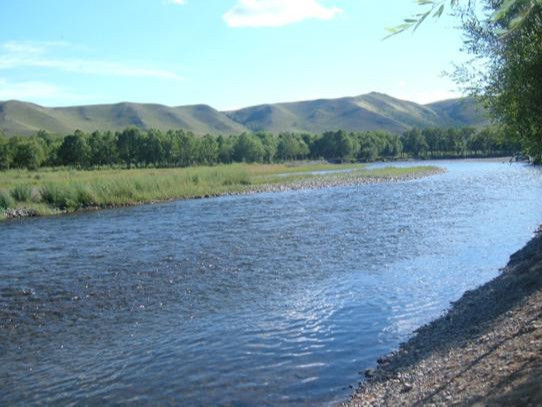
<point x="70" y="190"/>
<point x="6" y="201"/>
<point x="22" y="193"/>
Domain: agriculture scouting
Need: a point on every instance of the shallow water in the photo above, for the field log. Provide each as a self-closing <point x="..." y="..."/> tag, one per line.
<point x="257" y="299"/>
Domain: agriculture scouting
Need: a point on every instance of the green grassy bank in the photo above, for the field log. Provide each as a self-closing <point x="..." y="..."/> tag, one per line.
<point x="49" y="191"/>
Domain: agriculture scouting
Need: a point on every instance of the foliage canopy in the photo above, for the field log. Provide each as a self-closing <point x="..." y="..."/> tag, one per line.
<point x="505" y="38"/>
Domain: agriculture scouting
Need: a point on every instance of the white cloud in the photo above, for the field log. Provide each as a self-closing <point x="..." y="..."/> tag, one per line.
<point x="31" y="48"/>
<point x="428" y="96"/>
<point x="275" y="13"/>
<point x="178" y="2"/>
<point x="38" y="55"/>
<point x="33" y="90"/>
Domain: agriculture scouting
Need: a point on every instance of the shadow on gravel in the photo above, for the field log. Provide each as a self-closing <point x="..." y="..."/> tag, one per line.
<point x="471" y="317"/>
<point x="525" y="387"/>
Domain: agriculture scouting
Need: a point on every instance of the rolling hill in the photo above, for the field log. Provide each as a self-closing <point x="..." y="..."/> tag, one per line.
<point x="373" y="111"/>
<point x="26" y="118"/>
<point x="464" y="110"/>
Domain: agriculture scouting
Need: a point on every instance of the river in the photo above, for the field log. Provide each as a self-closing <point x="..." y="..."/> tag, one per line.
<point x="269" y="298"/>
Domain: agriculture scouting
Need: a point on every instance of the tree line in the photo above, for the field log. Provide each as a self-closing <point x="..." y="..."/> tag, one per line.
<point x="179" y="148"/>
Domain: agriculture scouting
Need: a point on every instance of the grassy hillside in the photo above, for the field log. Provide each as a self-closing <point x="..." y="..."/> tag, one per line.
<point x="462" y="110"/>
<point x="374" y="111"/>
<point x="407" y="114"/>
<point x="26" y="118"/>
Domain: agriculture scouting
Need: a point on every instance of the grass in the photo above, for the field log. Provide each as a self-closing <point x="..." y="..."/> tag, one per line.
<point x="21" y="193"/>
<point x="6" y="201"/>
<point x="56" y="190"/>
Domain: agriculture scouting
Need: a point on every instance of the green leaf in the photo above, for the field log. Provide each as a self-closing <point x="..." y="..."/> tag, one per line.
<point x="501" y="32"/>
<point x="515" y="22"/>
<point x="438" y="13"/>
<point x="501" y="12"/>
<point x="421" y="20"/>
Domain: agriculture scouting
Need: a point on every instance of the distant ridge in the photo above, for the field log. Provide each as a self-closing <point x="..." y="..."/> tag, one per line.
<point x="373" y="111"/>
<point x="26" y="118"/>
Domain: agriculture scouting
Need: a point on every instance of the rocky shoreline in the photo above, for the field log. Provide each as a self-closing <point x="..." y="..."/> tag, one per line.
<point x="486" y="350"/>
<point x="316" y="182"/>
<point x="342" y="180"/>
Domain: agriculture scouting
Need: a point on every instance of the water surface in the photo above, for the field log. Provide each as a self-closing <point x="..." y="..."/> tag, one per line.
<point x="262" y="299"/>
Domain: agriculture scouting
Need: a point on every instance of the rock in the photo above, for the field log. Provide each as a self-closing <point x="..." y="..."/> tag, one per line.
<point x="19" y="213"/>
<point x="370" y="373"/>
<point x="407" y="387"/>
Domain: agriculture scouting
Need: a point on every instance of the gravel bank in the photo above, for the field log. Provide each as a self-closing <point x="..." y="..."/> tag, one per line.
<point x="487" y="350"/>
<point x="338" y="180"/>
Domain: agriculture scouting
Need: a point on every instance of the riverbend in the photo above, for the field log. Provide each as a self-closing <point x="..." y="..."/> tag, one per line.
<point x="248" y="299"/>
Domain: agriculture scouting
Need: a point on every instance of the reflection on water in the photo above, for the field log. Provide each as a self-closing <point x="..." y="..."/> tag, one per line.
<point x="264" y="298"/>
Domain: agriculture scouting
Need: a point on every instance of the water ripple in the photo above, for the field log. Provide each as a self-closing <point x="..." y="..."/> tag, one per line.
<point x="266" y="299"/>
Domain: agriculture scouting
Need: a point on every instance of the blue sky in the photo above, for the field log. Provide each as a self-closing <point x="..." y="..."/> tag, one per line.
<point x="225" y="53"/>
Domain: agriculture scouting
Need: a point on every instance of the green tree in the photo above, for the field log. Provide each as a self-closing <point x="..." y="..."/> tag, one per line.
<point x="507" y="42"/>
<point x="392" y="146"/>
<point x="291" y="146"/>
<point x="368" y="146"/>
<point x="269" y="144"/>
<point x="248" y="148"/>
<point x="512" y="89"/>
<point x="152" y="148"/>
<point x="75" y="150"/>
<point x="26" y="152"/>
<point x="5" y="153"/>
<point x="208" y="150"/>
<point x="168" y="148"/>
<point x="335" y="145"/>
<point x="225" y="149"/>
<point x="185" y="148"/>
<point x="127" y="145"/>
<point x="511" y="14"/>
<point x="345" y="145"/>
<point x="50" y="144"/>
<point x="103" y="148"/>
<point x="433" y="139"/>
<point x="414" y="142"/>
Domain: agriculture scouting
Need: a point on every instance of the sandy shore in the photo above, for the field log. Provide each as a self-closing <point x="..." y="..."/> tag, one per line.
<point x="487" y="350"/>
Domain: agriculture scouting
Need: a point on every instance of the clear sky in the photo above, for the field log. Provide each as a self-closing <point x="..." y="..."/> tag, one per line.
<point x="225" y="53"/>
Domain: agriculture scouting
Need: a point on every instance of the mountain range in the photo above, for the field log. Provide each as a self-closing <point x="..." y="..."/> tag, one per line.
<point x="373" y="111"/>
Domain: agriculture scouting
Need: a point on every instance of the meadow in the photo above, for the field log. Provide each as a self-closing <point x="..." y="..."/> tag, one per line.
<point x="57" y="190"/>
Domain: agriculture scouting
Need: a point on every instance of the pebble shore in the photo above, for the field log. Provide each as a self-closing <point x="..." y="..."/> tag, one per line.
<point x="342" y="180"/>
<point x="486" y="351"/>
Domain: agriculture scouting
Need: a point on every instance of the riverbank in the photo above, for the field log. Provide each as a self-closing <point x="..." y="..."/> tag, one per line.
<point x="487" y="350"/>
<point x="26" y="193"/>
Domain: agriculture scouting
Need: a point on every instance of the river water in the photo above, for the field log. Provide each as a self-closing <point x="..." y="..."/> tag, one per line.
<point x="264" y="299"/>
